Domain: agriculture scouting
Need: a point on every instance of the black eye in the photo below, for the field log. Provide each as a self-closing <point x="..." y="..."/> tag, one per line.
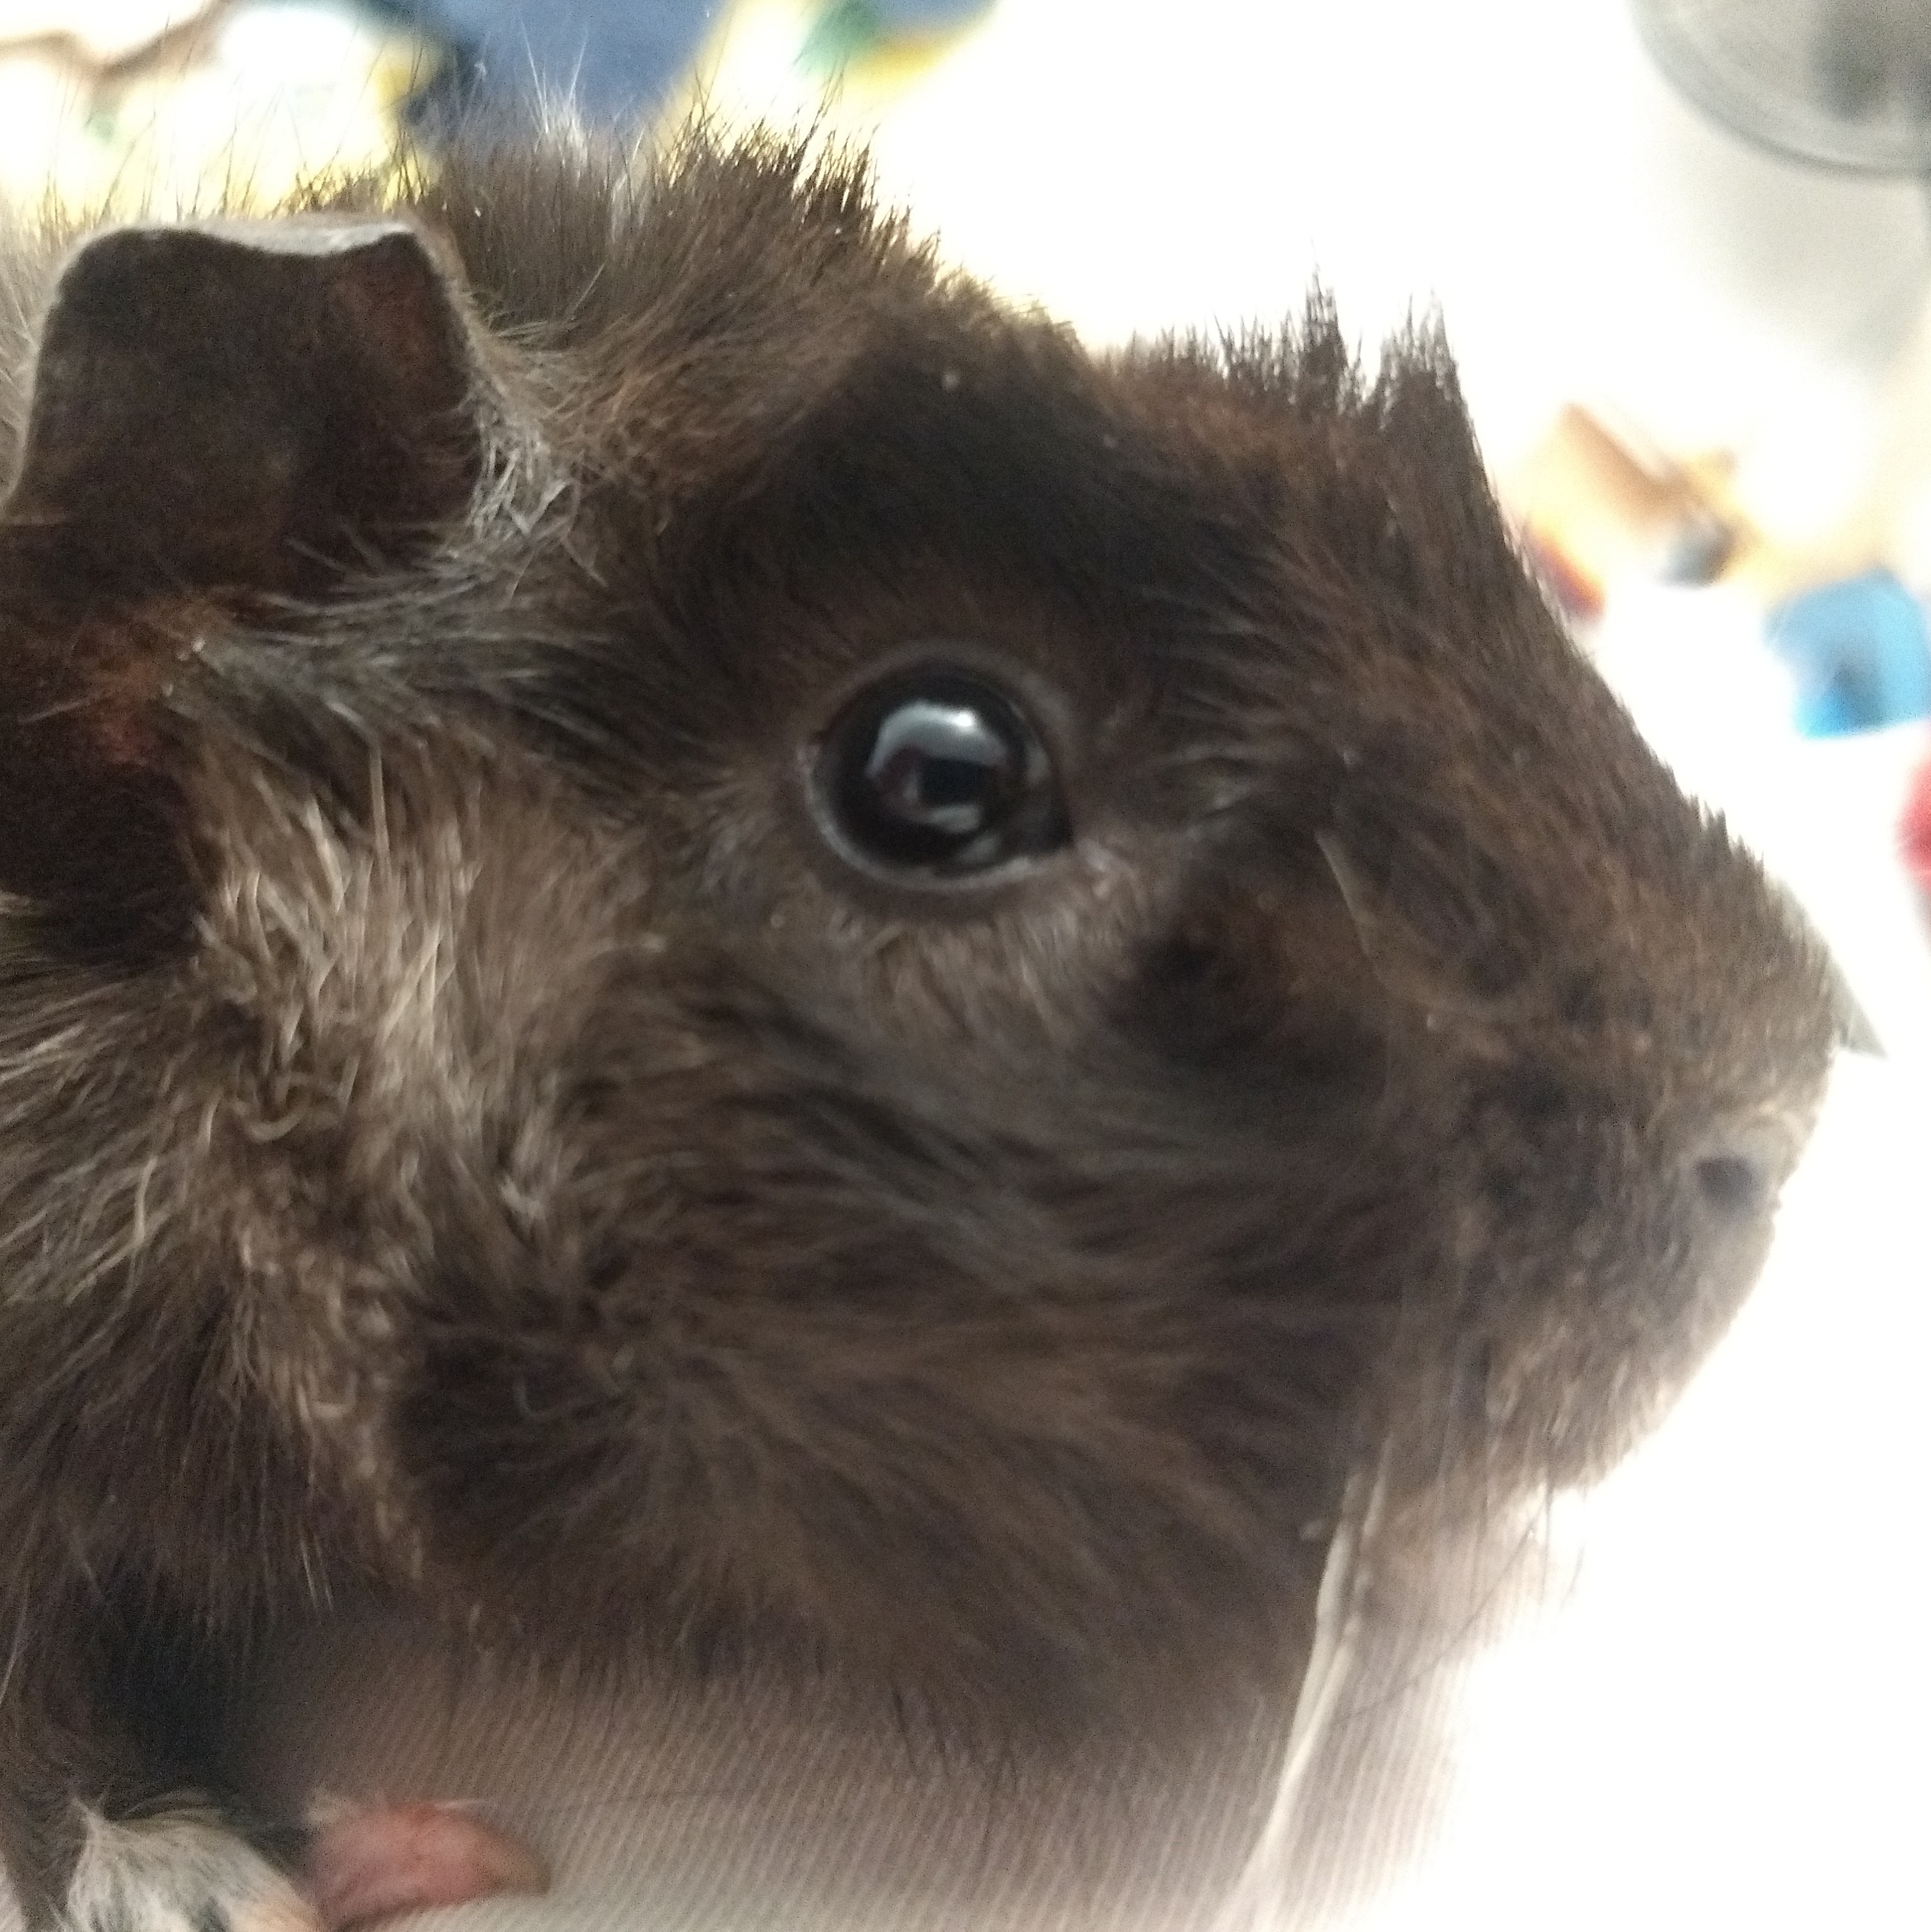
<point x="936" y="772"/>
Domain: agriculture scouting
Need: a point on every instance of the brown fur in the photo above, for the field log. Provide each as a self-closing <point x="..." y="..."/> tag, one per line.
<point x="461" y="1125"/>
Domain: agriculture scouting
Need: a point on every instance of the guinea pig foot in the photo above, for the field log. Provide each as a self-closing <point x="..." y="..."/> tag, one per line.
<point x="181" y="1870"/>
<point x="370" y="1864"/>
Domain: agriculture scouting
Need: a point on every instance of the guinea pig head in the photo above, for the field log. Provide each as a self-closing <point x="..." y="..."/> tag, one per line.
<point x="817" y="978"/>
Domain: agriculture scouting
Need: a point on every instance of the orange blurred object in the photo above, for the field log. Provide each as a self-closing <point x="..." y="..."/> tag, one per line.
<point x="1593" y="507"/>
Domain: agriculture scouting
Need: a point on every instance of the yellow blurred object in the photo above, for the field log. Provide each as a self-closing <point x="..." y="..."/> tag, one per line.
<point x="128" y="109"/>
<point x="774" y="61"/>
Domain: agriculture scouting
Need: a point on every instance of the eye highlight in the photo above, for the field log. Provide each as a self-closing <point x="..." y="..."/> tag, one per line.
<point x="934" y="773"/>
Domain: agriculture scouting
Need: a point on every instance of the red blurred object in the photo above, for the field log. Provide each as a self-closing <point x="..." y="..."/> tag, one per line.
<point x="1914" y="834"/>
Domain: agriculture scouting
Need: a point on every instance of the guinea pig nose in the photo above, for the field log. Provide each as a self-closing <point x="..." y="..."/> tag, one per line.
<point x="1736" y="1172"/>
<point x="1732" y="1183"/>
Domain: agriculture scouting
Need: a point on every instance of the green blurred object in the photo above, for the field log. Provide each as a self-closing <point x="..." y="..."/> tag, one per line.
<point x="849" y="30"/>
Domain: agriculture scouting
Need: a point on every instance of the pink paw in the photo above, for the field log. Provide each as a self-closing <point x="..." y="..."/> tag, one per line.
<point x="367" y="1864"/>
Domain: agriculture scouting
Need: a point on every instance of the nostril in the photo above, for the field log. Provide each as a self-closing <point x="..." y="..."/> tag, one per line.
<point x="1732" y="1183"/>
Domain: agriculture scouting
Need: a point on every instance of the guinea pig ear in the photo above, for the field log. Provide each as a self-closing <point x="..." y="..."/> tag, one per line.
<point x="249" y="406"/>
<point x="217" y="414"/>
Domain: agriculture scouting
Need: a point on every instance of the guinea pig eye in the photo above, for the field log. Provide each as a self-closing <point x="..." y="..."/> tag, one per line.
<point x="936" y="773"/>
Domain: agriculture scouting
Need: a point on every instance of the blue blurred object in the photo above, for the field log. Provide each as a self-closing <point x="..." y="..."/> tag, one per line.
<point x="1861" y="652"/>
<point x="619" y="60"/>
<point x="616" y="59"/>
<point x="924" y="16"/>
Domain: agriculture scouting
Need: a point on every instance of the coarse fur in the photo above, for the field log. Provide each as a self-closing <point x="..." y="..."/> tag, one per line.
<point x="464" y="1122"/>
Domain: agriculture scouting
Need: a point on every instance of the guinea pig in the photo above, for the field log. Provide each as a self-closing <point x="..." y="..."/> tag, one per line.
<point x="686" y="907"/>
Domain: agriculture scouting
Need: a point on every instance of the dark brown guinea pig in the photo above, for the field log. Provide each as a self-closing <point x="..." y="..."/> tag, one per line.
<point x="688" y="911"/>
